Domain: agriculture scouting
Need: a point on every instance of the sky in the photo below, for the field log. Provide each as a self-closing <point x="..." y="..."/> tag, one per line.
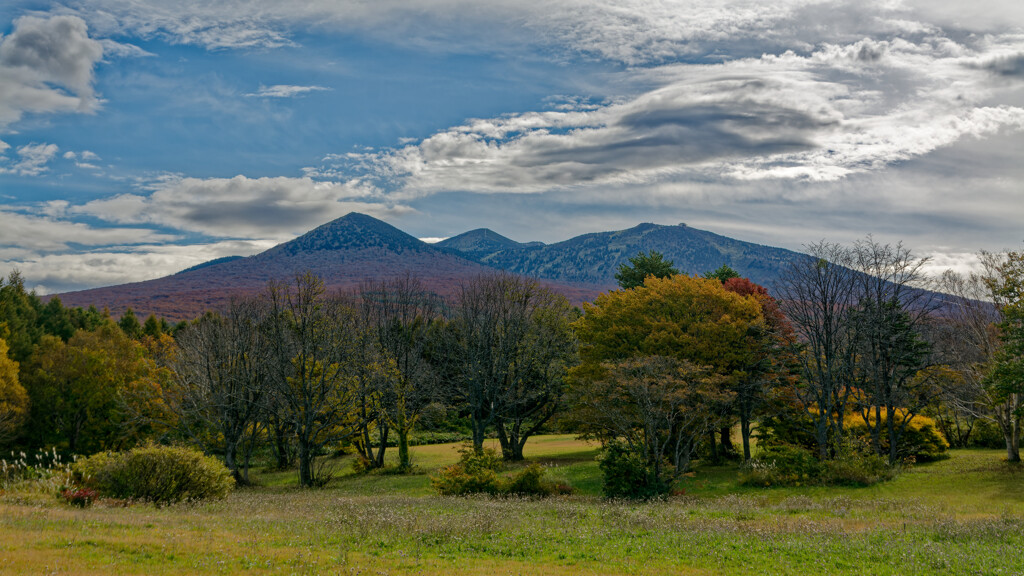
<point x="141" y="137"/>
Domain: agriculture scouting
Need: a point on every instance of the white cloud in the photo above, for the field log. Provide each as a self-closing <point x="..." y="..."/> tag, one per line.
<point x="47" y="66"/>
<point x="242" y="207"/>
<point x="32" y="160"/>
<point x="285" y="91"/>
<point x="49" y="234"/>
<point x="51" y="273"/>
<point x="838" y="111"/>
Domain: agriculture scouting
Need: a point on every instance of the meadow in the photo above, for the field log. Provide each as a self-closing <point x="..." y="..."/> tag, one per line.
<point x="963" y="515"/>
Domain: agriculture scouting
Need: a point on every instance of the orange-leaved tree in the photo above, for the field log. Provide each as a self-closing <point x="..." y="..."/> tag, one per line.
<point x="692" y="320"/>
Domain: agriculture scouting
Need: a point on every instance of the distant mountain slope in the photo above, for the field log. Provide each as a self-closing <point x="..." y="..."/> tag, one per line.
<point x="344" y="253"/>
<point x="356" y="247"/>
<point x="480" y="243"/>
<point x="594" y="258"/>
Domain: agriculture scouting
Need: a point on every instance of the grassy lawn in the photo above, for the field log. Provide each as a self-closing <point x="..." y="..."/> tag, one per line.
<point x="964" y="515"/>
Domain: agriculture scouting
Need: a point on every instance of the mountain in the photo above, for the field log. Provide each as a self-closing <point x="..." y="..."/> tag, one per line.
<point x="344" y="253"/>
<point x="593" y="259"/>
<point x="356" y="247"/>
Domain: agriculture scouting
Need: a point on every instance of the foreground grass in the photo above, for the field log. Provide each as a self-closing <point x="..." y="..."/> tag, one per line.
<point x="960" y="516"/>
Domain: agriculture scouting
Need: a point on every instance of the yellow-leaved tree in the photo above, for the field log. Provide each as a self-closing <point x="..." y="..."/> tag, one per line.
<point x="13" y="398"/>
<point x="659" y="365"/>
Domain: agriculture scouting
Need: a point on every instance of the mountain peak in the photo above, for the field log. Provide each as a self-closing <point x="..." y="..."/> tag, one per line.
<point x="354" y="231"/>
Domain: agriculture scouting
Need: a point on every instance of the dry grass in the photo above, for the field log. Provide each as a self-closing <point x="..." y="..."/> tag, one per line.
<point x="931" y="520"/>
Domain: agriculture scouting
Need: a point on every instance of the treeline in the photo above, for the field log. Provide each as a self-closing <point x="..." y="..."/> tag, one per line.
<point x="857" y="353"/>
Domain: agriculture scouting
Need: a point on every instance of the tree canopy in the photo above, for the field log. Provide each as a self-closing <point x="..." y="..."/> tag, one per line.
<point x="643" y="265"/>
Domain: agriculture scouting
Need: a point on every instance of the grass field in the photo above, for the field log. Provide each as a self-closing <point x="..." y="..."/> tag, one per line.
<point x="964" y="515"/>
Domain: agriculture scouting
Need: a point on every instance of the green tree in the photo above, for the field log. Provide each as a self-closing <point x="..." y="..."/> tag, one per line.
<point x="130" y="324"/>
<point x="19" y="311"/>
<point x="154" y="327"/>
<point x="723" y="273"/>
<point x="75" y="389"/>
<point x="641" y="266"/>
<point x="1005" y="383"/>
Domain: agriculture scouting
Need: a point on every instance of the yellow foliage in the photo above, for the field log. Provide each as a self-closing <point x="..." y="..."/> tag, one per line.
<point x="13" y="398"/>
<point x="684" y="317"/>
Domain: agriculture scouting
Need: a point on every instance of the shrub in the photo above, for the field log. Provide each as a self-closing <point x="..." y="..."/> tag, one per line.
<point x="480" y="474"/>
<point x="157" y="474"/>
<point x="782" y="465"/>
<point x="473" y="474"/>
<point x="529" y="482"/>
<point x="920" y="440"/>
<point x="81" y="497"/>
<point x="628" y="474"/>
<point x="858" y="470"/>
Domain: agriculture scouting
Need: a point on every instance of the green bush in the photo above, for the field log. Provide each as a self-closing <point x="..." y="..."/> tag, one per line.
<point x="529" y="482"/>
<point x="782" y="465"/>
<point x="158" y="474"/>
<point x="473" y="474"/>
<point x="857" y="470"/>
<point x="628" y="475"/>
<point x="480" y="474"/>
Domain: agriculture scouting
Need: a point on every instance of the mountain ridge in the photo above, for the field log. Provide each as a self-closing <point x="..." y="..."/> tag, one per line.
<point x="355" y="248"/>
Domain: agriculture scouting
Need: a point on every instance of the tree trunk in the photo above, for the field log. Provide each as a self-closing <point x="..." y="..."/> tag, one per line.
<point x="1013" y="442"/>
<point x="726" y="433"/>
<point x="305" y="464"/>
<point x="230" y="460"/>
<point x="745" y="433"/>
<point x="893" y="439"/>
<point x="479" y="434"/>
<point x="281" y="447"/>
<point x="383" y="431"/>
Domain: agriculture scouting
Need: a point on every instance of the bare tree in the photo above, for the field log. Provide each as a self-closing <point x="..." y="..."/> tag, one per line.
<point x="400" y="314"/>
<point x="507" y="347"/>
<point x="314" y="342"/>
<point x="220" y="382"/>
<point x="893" y="311"/>
<point x="816" y="295"/>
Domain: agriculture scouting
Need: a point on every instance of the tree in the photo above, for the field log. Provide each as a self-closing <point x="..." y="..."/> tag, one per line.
<point x="657" y="406"/>
<point x="220" y="383"/>
<point x="815" y="294"/>
<point x="889" y="319"/>
<point x="400" y="314"/>
<point x="507" y="346"/>
<point x="723" y="274"/>
<point x="130" y="324"/>
<point x="75" y="389"/>
<point x="313" y="375"/>
<point x="641" y="266"/>
<point x="691" y="319"/>
<point x="1004" y="277"/>
<point x="19" y="311"/>
<point x="154" y="327"/>
<point x="769" y="362"/>
<point x="13" y="398"/>
<point x="683" y="317"/>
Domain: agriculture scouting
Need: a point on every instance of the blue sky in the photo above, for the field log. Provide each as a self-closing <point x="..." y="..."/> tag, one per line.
<point x="140" y="137"/>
